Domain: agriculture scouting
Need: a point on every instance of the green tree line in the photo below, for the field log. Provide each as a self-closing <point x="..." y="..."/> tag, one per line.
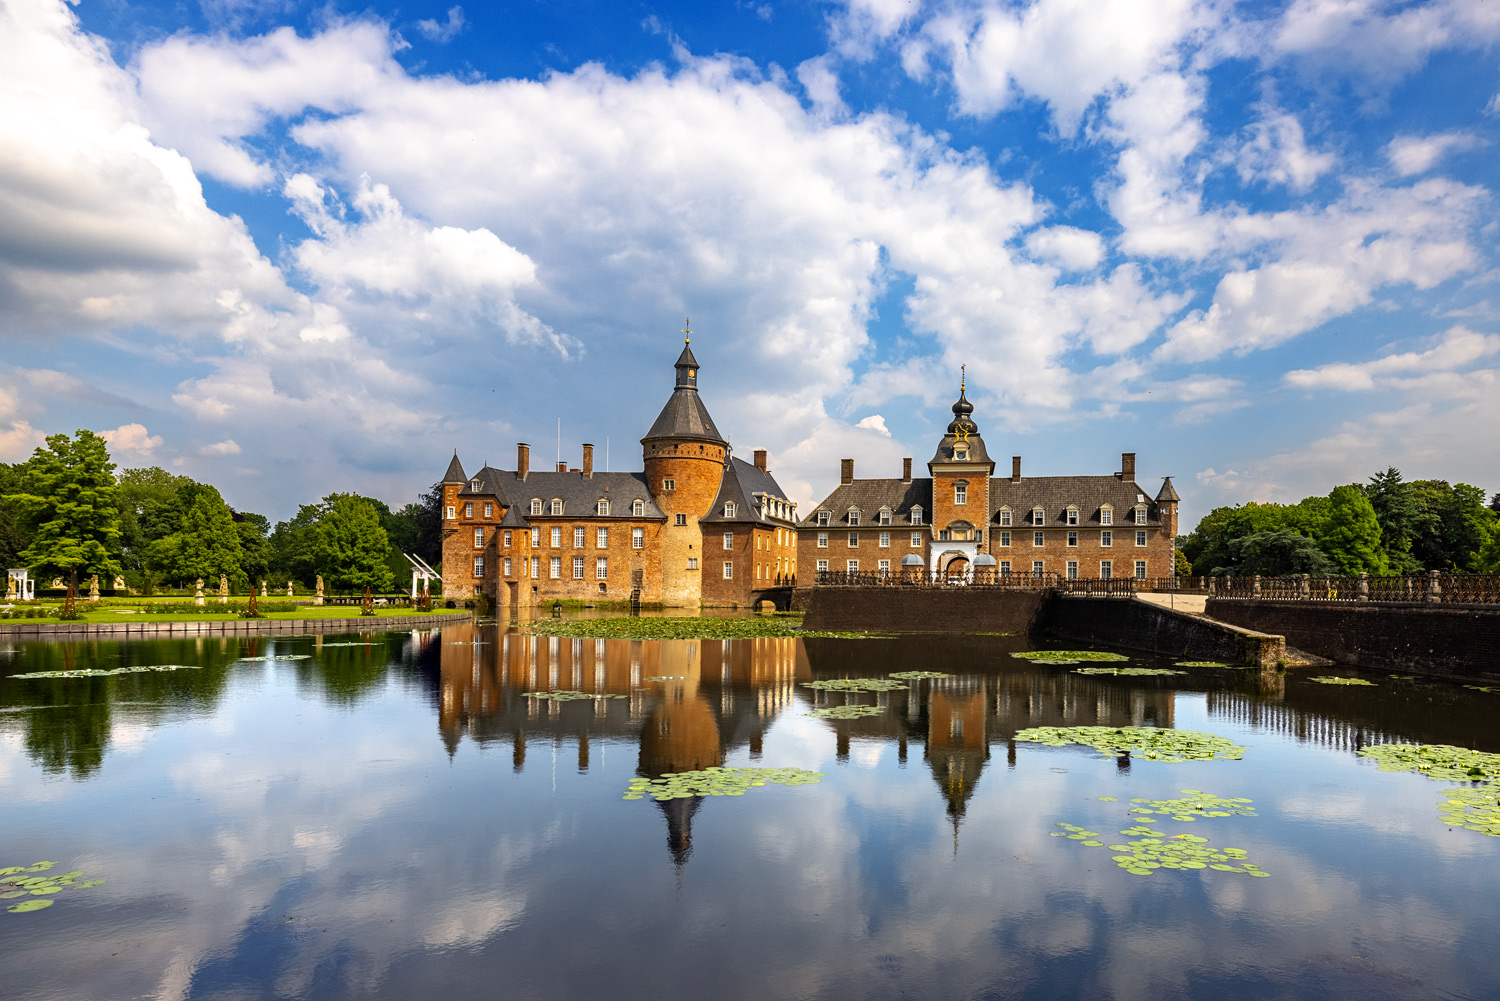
<point x="65" y="513"/>
<point x="1386" y="526"/>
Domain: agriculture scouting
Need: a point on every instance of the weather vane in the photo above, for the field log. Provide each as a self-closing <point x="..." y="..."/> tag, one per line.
<point x="687" y="330"/>
<point x="963" y="378"/>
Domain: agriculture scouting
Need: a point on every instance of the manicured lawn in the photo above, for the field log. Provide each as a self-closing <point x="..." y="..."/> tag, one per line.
<point x="108" y="614"/>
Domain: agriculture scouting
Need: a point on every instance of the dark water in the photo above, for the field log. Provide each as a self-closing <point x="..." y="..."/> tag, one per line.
<point x="394" y="821"/>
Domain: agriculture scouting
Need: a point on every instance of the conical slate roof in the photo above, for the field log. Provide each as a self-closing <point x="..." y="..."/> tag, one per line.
<point x="1167" y="491"/>
<point x="455" y="473"/>
<point x="685" y="416"/>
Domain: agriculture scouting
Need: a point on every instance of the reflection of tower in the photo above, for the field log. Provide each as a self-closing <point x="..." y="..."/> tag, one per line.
<point x="957" y="741"/>
<point x="684" y="456"/>
<point x="681" y="734"/>
<point x="679" y="814"/>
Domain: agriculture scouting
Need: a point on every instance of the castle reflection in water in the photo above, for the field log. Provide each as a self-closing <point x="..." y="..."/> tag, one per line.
<point x="690" y="704"/>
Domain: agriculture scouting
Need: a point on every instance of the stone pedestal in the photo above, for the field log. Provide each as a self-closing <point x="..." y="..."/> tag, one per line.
<point x="198" y="592"/>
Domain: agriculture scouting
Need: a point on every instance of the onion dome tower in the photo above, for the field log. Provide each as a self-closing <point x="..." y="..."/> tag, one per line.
<point x="684" y="458"/>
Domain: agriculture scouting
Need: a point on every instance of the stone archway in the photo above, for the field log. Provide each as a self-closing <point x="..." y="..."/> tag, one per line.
<point x="957" y="568"/>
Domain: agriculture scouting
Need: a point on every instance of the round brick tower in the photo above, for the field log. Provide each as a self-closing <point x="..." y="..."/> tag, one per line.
<point x="685" y="457"/>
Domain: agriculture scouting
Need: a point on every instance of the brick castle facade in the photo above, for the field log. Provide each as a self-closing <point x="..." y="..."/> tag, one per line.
<point x="962" y="519"/>
<point x="697" y="526"/>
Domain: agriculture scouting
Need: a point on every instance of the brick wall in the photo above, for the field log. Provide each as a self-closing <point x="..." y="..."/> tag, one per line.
<point x="1089" y="553"/>
<point x="623" y="559"/>
<point x="696" y="471"/>
<point x="1456" y="642"/>
<point x="901" y="609"/>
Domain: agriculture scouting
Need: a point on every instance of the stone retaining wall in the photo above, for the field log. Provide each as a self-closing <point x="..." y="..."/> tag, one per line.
<point x="1141" y="625"/>
<point x="24" y="629"/>
<point x="1430" y="639"/>
<point x="895" y="609"/>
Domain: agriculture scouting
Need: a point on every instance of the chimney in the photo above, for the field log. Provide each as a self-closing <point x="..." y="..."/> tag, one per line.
<point x="588" y="461"/>
<point x="906" y="470"/>
<point x="846" y="471"/>
<point x="562" y="467"/>
<point x="1127" y="466"/>
<point x="523" y="460"/>
<point x="1015" y="469"/>
<point x="760" y="459"/>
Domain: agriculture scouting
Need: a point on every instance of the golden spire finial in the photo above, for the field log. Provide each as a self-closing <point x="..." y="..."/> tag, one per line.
<point x="687" y="330"/>
<point x="963" y="379"/>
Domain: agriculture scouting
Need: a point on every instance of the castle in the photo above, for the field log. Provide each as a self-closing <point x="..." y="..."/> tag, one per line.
<point x="699" y="526"/>
<point x="962" y="521"/>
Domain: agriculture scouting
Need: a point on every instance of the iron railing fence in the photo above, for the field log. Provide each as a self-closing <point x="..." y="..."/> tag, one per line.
<point x="1427" y="588"/>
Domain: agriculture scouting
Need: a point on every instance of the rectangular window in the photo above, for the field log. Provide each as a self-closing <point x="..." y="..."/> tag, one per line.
<point x="1107" y="539"/>
<point x="822" y="566"/>
<point x="961" y="494"/>
<point x="637" y="538"/>
<point x="854" y="517"/>
<point x="1036" y="538"/>
<point x="450" y="510"/>
<point x="536" y="567"/>
<point x="554" y="567"/>
<point x="601" y="538"/>
<point x="1072" y="570"/>
<point x="692" y="563"/>
<point x="852" y="566"/>
<point x="536" y="538"/>
<point x="536" y="505"/>
<point x="916" y="540"/>
<point x="556" y="537"/>
<point x="601" y="568"/>
<point x="728" y="570"/>
<point x="916" y="516"/>
<point x="557" y="507"/>
<point x="1072" y="516"/>
<point x="489" y="510"/>
<point x="822" y="517"/>
<point x="822" y="540"/>
<point x="579" y="535"/>
<point x="1004" y="540"/>
<point x="1005" y="568"/>
<point x="853" y="540"/>
<point x="885" y="540"/>
<point x="507" y="566"/>
<point x="885" y="517"/>
<point x="669" y="484"/>
<point x="728" y="540"/>
<point x="578" y="568"/>
<point x="1005" y="517"/>
<point x="478" y="538"/>
<point x="1036" y="568"/>
<point x="1073" y="538"/>
<point x="479" y="566"/>
<point x="1140" y="569"/>
<point x="1140" y="538"/>
<point x="1106" y="569"/>
<point x="885" y="567"/>
<point x="1038" y="516"/>
<point x="1106" y="516"/>
<point x="507" y="538"/>
<point x="469" y="510"/>
<point x="681" y="520"/>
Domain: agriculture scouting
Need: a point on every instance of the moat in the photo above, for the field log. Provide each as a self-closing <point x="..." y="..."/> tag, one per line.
<point x="388" y="815"/>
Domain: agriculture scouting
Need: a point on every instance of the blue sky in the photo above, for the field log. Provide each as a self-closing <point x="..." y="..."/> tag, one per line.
<point x="292" y="248"/>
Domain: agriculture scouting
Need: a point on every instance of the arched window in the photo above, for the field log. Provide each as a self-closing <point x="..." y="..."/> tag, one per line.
<point x="638" y="508"/>
<point x="602" y="508"/>
<point x="536" y="505"/>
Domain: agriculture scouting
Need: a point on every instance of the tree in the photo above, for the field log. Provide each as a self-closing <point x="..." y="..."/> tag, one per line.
<point x="1396" y="509"/>
<point x="69" y="501"/>
<point x="1452" y="524"/>
<point x="350" y="548"/>
<point x="205" y="544"/>
<point x="255" y="548"/>
<point x="293" y="543"/>
<point x="1209" y="546"/>
<point x="12" y="537"/>
<point x="1351" y="535"/>
<point x="1275" y="554"/>
<point x="152" y="503"/>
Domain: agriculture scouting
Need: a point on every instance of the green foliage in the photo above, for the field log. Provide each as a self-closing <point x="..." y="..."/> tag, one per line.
<point x="350" y="548"/>
<point x="255" y="547"/>
<point x="676" y="628"/>
<point x="1210" y="546"/>
<point x="1351" y="535"/>
<point x="1395" y="506"/>
<point x="1453" y="525"/>
<point x="1181" y="567"/>
<point x="152" y="502"/>
<point x="12" y="537"/>
<point x="205" y="543"/>
<point x="69" y="501"/>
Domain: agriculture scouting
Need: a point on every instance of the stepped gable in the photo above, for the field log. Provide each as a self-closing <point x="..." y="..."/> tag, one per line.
<point x="1053" y="494"/>
<point x="684" y="415"/>
<point x="580" y="495"/>
<point x="742" y="481"/>
<point x="869" y="496"/>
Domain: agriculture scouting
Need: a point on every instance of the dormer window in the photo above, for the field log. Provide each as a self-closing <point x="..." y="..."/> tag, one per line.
<point x="1005" y="516"/>
<point x="823" y="517"/>
<point x="536" y="505"/>
<point x="1106" y="515"/>
<point x="638" y="508"/>
<point x="885" y="516"/>
<point x="854" y="516"/>
<point x="916" y="514"/>
<point x="1140" y="514"/>
<point x="1038" y="516"/>
<point x="474" y="485"/>
<point x="1072" y="515"/>
<point x="729" y="509"/>
<point x="960" y="452"/>
<point x="602" y="508"/>
<point x="557" y="506"/>
<point x="961" y="492"/>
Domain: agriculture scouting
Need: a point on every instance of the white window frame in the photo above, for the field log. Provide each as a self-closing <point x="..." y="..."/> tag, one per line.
<point x="1106" y="569"/>
<point x="479" y="566"/>
<point x="822" y="540"/>
<point x="507" y="537"/>
<point x="1073" y="539"/>
<point x="578" y="568"/>
<point x="1140" y="514"/>
<point x="1107" y="538"/>
<point x="1140" y="569"/>
<point x="823" y="517"/>
<point x="885" y="516"/>
<point x="507" y="566"/>
<point x="680" y="521"/>
<point x="961" y="492"/>
<point x="479" y="538"/>
<point x="1038" y="568"/>
<point x="822" y="566"/>
<point x="853" y="540"/>
<point x="916" y="540"/>
<point x="536" y="568"/>
<point x="580" y="537"/>
<point x="729" y="509"/>
<point x="536" y="505"/>
<point x="1140" y="538"/>
<point x="554" y="567"/>
<point x="556" y="536"/>
<point x="536" y="538"/>
<point x="1005" y="516"/>
<point x="885" y="540"/>
<point x="851" y="566"/>
<point x="489" y="509"/>
<point x="602" y="508"/>
<point x="1004" y="540"/>
<point x="1072" y="515"/>
<point x="1037" y="540"/>
<point x="884" y="568"/>
<point x="1072" y="570"/>
<point x="669" y="484"/>
<point x="601" y="568"/>
<point x="469" y="509"/>
<point x="557" y="507"/>
<point x="728" y="570"/>
<point x="637" y="508"/>
<point x="637" y="538"/>
<point x="854" y="516"/>
<point x="692" y="563"/>
<point x="452" y="513"/>
<point x="1038" y="516"/>
<point x="1106" y="515"/>
<point x="728" y="540"/>
<point x="1005" y="568"/>
<point x="601" y="537"/>
<point x="916" y="514"/>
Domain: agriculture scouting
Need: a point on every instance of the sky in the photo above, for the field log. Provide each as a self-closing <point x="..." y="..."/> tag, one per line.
<point x="295" y="248"/>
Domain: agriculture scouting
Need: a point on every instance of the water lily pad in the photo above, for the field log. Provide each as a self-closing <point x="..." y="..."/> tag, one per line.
<point x="1154" y="851"/>
<point x="1079" y="655"/>
<point x="1139" y="672"/>
<point x="1334" y="680"/>
<point x="100" y="672"/>
<point x="1436" y="761"/>
<point x="1475" y="809"/>
<point x="855" y="685"/>
<point x="29" y="905"/>
<point x="1195" y="805"/>
<point x="723" y="781"/>
<point x="846" y="712"/>
<point x="569" y="695"/>
<point x="1492" y="689"/>
<point x="1201" y="663"/>
<point x="1152" y="743"/>
<point x="919" y="675"/>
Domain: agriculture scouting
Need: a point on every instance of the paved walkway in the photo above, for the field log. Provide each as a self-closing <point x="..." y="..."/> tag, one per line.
<point x="1190" y="603"/>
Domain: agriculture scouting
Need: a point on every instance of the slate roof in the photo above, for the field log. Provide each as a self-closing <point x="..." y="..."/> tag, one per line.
<point x="684" y="416"/>
<point x="1054" y="493"/>
<point x="742" y="481"/>
<point x="977" y="452"/>
<point x="869" y="496"/>
<point x="1167" y="491"/>
<point x="580" y="496"/>
<point x="455" y="473"/>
